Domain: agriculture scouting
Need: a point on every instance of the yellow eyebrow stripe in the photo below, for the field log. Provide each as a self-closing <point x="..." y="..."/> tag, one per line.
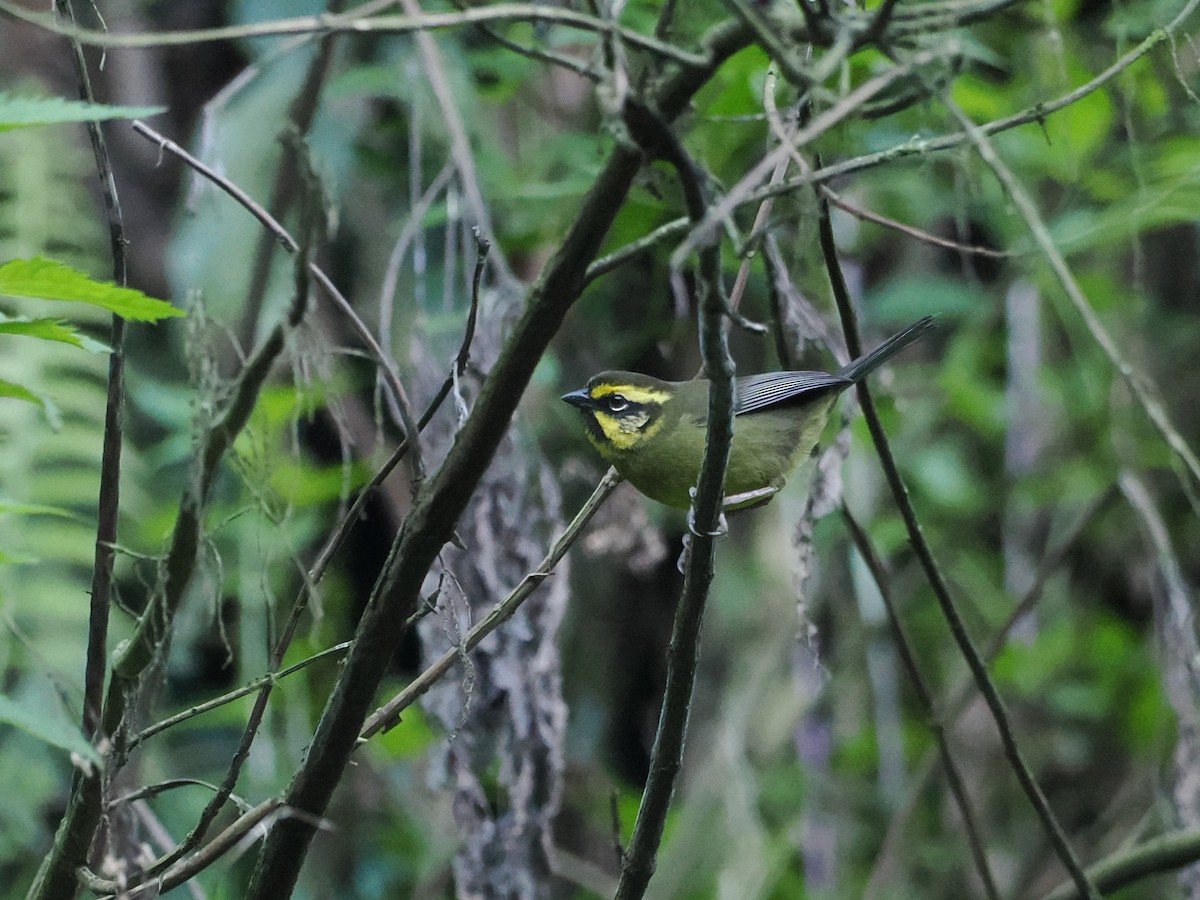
<point x="630" y="392"/>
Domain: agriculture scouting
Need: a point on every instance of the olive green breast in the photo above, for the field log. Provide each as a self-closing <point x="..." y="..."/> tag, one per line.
<point x="767" y="444"/>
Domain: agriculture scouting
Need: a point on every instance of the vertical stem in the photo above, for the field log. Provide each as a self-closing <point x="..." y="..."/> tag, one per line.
<point x="704" y="519"/>
<point x="108" y="504"/>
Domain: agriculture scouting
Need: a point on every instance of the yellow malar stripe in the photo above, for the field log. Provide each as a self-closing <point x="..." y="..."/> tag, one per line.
<point x="623" y="434"/>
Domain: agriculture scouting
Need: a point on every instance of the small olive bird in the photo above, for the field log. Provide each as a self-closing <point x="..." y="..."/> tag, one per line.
<point x="653" y="432"/>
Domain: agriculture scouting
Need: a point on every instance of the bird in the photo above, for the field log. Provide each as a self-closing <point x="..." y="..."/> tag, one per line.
<point x="653" y="431"/>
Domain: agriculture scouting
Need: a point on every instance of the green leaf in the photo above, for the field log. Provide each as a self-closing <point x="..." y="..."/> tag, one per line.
<point x="9" y="507"/>
<point x="51" y="330"/>
<point x="46" y="279"/>
<point x="22" y="112"/>
<point x="18" y="392"/>
<point x="51" y="729"/>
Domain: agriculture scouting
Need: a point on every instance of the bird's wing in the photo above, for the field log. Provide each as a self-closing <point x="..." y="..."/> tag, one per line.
<point x="773" y="388"/>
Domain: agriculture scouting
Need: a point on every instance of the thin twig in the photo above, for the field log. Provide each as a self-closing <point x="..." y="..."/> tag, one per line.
<point x="634" y="249"/>
<point x="925" y="697"/>
<point x="398" y="394"/>
<point x="108" y="504"/>
<point x="388" y="715"/>
<point x="867" y="215"/>
<point x="193" y="865"/>
<point x="962" y="696"/>
<point x="350" y="23"/>
<point x="540" y="54"/>
<point x="163" y="787"/>
<point x="207" y="706"/>
<point x="482" y="246"/>
<point x="1142" y="388"/>
<point x="937" y="582"/>
<point x="301" y="112"/>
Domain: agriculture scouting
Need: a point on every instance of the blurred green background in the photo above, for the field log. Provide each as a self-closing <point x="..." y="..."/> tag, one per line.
<point x="810" y="768"/>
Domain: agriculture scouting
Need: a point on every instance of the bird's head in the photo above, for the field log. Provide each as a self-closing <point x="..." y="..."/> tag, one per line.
<point x="621" y="410"/>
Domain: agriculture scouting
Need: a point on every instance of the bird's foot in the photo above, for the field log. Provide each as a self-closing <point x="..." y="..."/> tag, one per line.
<point x="750" y="499"/>
<point x="721" y="530"/>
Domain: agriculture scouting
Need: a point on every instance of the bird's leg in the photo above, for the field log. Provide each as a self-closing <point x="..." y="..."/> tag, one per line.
<point x="750" y="499"/>
<point x="722" y="527"/>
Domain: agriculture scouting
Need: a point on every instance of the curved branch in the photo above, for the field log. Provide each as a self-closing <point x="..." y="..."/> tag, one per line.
<point x="352" y="23"/>
<point x="388" y="715"/>
<point x="1159" y="856"/>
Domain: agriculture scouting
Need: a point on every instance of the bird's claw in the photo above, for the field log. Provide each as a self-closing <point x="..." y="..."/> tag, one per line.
<point x="722" y="524"/>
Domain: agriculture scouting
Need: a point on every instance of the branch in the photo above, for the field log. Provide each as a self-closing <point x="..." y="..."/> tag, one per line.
<point x="936" y="581"/>
<point x="352" y="23"/>
<point x="704" y="518"/>
<point x="925" y="698"/>
<point x="76" y="831"/>
<point x="388" y="715"/>
<point x="398" y="396"/>
<point x="442" y="498"/>
<point x="1142" y="388"/>
<point x="961" y="697"/>
<point x="207" y="706"/>
<point x="109" y="500"/>
<point x="1156" y="857"/>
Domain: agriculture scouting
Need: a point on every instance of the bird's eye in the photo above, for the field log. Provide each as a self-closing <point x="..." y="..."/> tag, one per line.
<point x="616" y="403"/>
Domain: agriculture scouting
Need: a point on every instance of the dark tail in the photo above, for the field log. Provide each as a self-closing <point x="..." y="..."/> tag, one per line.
<point x="864" y="365"/>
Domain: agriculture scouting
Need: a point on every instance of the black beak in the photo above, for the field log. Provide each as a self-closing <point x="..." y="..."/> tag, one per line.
<point x="580" y="398"/>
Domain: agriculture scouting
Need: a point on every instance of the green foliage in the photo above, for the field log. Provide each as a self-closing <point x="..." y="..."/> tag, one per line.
<point x="50" y="330"/>
<point x="1093" y="673"/>
<point x="45" y="279"/>
<point x="791" y="745"/>
<point x="16" y="392"/>
<point x="53" y="729"/>
<point x="22" y="112"/>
